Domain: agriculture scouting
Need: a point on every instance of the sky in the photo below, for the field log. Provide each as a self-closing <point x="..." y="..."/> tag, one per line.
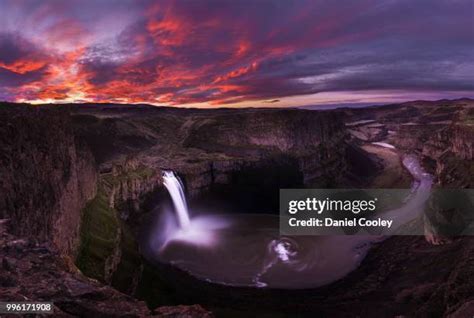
<point x="236" y="53"/>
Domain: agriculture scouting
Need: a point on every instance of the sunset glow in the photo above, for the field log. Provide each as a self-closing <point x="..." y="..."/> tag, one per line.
<point x="235" y="53"/>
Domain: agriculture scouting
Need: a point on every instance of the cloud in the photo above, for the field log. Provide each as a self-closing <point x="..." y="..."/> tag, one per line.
<point x="20" y="61"/>
<point x="226" y="52"/>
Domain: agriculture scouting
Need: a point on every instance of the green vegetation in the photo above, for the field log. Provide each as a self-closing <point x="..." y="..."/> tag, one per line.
<point x="102" y="232"/>
<point x="99" y="230"/>
<point x="141" y="172"/>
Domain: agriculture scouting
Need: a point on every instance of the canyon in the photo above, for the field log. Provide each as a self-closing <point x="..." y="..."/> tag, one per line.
<point x="78" y="182"/>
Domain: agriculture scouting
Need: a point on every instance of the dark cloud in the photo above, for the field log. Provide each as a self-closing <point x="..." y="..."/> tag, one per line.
<point x="12" y="79"/>
<point x="13" y="47"/>
<point x="21" y="62"/>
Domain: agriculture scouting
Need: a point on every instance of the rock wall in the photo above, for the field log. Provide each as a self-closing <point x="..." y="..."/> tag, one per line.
<point x="36" y="271"/>
<point x="109" y="249"/>
<point x="49" y="183"/>
<point x="46" y="175"/>
<point x="455" y="165"/>
<point x="447" y="149"/>
<point x="128" y="184"/>
<point x="249" y="132"/>
<point x="462" y="143"/>
<point x="314" y="143"/>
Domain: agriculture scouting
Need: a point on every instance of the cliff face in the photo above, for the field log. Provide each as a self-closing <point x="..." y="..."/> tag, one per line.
<point x="37" y="272"/>
<point x="109" y="251"/>
<point x="47" y="175"/>
<point x="209" y="149"/>
<point x="463" y="141"/>
<point x="128" y="184"/>
<point x="441" y="133"/>
<point x="50" y="195"/>
<point x="455" y="165"/>
<point x="29" y="270"/>
<point x="446" y="148"/>
<point x="253" y="132"/>
<point x="310" y="145"/>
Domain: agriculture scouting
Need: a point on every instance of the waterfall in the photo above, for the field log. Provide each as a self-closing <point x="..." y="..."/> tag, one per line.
<point x="175" y="188"/>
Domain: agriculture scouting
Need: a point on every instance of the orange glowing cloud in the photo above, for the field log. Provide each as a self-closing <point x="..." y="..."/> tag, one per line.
<point x="237" y="73"/>
<point x="23" y="66"/>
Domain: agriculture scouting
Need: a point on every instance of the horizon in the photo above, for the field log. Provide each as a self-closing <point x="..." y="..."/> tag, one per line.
<point x="303" y="107"/>
<point x="246" y="54"/>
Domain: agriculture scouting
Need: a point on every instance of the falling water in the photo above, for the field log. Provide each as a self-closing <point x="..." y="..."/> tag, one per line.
<point x="248" y="250"/>
<point x="175" y="188"/>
